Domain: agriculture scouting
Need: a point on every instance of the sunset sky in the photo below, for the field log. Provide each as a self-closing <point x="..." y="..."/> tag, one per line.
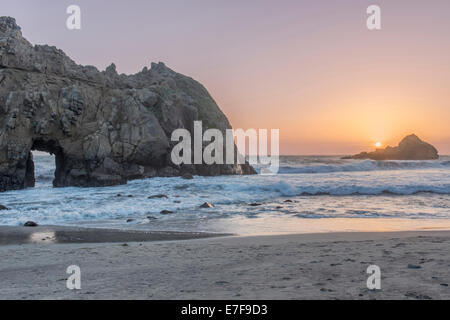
<point x="310" y="68"/>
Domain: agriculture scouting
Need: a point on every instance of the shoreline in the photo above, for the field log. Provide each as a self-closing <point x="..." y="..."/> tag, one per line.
<point x="56" y="234"/>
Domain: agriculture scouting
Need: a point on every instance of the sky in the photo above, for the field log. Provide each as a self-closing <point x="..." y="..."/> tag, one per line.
<point x="311" y="69"/>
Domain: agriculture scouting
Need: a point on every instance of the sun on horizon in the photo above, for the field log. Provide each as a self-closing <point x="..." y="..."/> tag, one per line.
<point x="378" y="144"/>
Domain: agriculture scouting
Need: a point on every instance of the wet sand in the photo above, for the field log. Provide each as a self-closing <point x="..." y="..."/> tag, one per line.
<point x="414" y="265"/>
<point x="60" y="234"/>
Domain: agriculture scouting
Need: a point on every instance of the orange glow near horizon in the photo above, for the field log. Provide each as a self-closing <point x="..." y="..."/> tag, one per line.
<point x="356" y="112"/>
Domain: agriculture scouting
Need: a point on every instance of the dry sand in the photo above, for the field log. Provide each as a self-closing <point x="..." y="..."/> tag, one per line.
<point x="414" y="265"/>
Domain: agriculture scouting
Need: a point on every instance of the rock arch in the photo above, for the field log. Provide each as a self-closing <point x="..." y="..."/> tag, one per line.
<point x="104" y="128"/>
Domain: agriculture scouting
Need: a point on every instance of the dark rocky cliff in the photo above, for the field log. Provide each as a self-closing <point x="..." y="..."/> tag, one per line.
<point x="104" y="128"/>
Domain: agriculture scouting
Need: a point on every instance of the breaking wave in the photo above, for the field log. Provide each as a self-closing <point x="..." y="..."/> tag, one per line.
<point x="364" y="165"/>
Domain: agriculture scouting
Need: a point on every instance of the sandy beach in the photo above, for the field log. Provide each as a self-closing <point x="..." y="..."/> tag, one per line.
<point x="136" y="265"/>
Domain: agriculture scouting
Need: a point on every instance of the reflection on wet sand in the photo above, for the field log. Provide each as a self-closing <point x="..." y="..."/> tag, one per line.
<point x="43" y="237"/>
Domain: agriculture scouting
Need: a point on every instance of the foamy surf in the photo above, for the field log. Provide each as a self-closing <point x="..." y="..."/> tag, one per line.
<point x="316" y="187"/>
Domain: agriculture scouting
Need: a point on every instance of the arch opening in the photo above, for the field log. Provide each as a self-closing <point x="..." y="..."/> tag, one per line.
<point x="44" y="163"/>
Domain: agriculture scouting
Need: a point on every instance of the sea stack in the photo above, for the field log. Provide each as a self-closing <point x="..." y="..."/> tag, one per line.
<point x="410" y="148"/>
<point x="104" y="128"/>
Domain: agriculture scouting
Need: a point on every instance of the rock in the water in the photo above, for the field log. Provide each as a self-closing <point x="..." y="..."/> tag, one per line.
<point x="30" y="224"/>
<point x="2" y="207"/>
<point x="187" y="176"/>
<point x="130" y="220"/>
<point x="158" y="196"/>
<point x="207" y="205"/>
<point x="104" y="128"/>
<point x="166" y="212"/>
<point x="414" y="266"/>
<point x="255" y="204"/>
<point x="410" y="148"/>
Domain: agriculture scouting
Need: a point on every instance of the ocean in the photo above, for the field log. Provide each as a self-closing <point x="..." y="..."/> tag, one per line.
<point x="309" y="194"/>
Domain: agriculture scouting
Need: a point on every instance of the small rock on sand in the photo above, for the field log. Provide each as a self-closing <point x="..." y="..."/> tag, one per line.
<point x="207" y="205"/>
<point x="288" y="201"/>
<point x="30" y="224"/>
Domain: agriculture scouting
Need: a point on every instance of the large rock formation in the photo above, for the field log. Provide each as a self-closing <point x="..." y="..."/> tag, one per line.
<point x="410" y="148"/>
<point x="104" y="128"/>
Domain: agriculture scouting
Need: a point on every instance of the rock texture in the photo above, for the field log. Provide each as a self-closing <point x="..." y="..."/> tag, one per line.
<point x="410" y="148"/>
<point x="104" y="128"/>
